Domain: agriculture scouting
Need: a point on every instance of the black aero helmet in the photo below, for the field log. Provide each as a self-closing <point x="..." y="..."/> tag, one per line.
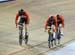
<point x="58" y="16"/>
<point x="21" y="12"/>
<point x="51" y="18"/>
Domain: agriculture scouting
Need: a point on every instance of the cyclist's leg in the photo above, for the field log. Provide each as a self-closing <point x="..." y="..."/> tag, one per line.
<point x="51" y="37"/>
<point x="52" y="42"/>
<point x="61" y="29"/>
<point x="20" y="24"/>
<point x="58" y="36"/>
<point x="26" y="29"/>
<point x="54" y="34"/>
<point x="60" y="32"/>
<point x="26" y="33"/>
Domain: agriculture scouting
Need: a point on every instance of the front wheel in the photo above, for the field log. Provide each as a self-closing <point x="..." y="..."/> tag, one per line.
<point x="20" y="36"/>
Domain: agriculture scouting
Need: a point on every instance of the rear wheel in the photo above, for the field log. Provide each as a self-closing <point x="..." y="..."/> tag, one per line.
<point x="20" y="38"/>
<point x="26" y="39"/>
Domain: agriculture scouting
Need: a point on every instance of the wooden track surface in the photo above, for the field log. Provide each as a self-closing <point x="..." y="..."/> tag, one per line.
<point x="39" y="10"/>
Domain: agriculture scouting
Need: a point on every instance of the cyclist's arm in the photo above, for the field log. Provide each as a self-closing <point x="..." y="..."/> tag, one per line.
<point x="16" y="19"/>
<point x="62" y="21"/>
<point x="46" y="24"/>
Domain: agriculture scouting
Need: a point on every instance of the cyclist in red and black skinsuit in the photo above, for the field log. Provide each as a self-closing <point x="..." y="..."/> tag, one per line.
<point x="51" y="23"/>
<point x="60" y="24"/>
<point x="24" y="19"/>
<point x="60" y="20"/>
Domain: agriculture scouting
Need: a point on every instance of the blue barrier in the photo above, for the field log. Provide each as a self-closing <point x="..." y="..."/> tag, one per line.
<point x="2" y="1"/>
